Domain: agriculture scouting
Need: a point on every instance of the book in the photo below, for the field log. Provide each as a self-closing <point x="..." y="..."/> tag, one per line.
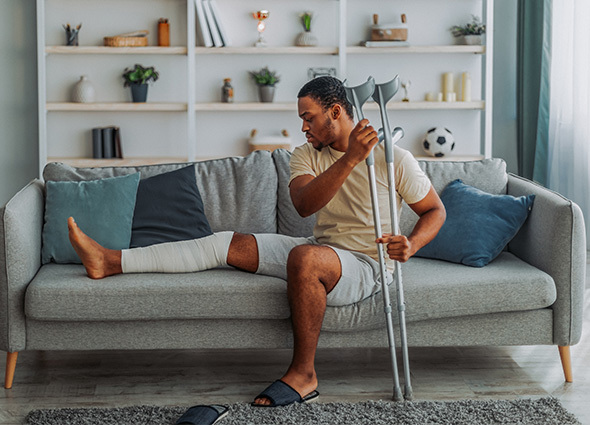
<point x="203" y="27"/>
<point x="384" y="43"/>
<point x="108" y="145"/>
<point x="117" y="142"/>
<point x="217" y="15"/>
<point x="96" y="143"/>
<point x="212" y="25"/>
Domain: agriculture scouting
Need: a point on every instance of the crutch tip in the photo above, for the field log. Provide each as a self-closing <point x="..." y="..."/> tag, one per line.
<point x="397" y="395"/>
<point x="409" y="395"/>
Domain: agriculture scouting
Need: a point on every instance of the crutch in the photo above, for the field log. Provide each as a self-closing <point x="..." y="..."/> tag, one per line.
<point x="357" y="96"/>
<point x="382" y="94"/>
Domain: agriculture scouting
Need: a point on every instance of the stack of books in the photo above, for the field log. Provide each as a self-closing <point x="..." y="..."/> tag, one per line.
<point x="106" y="142"/>
<point x="210" y="29"/>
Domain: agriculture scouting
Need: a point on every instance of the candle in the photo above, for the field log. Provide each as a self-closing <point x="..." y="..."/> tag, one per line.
<point x="439" y="97"/>
<point x="448" y="84"/>
<point x="430" y="97"/>
<point x="466" y="87"/>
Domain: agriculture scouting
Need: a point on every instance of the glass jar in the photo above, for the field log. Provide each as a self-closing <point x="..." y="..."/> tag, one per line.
<point x="227" y="91"/>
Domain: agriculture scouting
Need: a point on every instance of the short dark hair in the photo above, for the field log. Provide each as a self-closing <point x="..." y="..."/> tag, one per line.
<point x="327" y="91"/>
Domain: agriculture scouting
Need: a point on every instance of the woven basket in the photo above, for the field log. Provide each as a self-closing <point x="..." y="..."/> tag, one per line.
<point x="117" y="41"/>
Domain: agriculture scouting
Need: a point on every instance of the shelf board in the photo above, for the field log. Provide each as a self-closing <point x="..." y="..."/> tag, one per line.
<point x="116" y="162"/>
<point x="105" y="50"/>
<point x="456" y="158"/>
<point x="416" y="49"/>
<point x="117" y="107"/>
<point x="246" y="106"/>
<point x="288" y="106"/>
<point x="422" y="105"/>
<point x="286" y="50"/>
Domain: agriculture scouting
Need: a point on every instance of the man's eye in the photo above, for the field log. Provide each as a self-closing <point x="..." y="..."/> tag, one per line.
<point x="309" y="120"/>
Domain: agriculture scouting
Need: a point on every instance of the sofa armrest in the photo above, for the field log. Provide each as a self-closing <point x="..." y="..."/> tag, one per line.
<point x="21" y="225"/>
<point x="553" y="239"/>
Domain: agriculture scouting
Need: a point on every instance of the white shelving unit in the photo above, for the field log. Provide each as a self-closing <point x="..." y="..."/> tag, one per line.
<point x="195" y="106"/>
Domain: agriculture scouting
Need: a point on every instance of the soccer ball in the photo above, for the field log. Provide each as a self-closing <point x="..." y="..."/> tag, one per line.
<point x="439" y="142"/>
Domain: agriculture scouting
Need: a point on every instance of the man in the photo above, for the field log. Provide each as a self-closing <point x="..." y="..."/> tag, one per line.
<point x="339" y="264"/>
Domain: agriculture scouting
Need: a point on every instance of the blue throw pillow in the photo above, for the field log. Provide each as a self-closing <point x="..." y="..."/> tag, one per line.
<point x="478" y="225"/>
<point x="169" y="208"/>
<point x="103" y="209"/>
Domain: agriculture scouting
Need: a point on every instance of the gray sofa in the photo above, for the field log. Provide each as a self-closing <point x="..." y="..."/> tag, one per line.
<point x="532" y="294"/>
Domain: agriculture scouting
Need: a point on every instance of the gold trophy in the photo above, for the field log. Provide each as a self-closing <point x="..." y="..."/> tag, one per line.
<point x="261" y="15"/>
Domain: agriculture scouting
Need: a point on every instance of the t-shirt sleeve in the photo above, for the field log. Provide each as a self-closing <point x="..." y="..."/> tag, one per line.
<point x="301" y="163"/>
<point x="412" y="183"/>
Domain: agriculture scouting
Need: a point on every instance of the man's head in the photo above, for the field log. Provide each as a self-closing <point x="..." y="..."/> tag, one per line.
<point x="325" y="111"/>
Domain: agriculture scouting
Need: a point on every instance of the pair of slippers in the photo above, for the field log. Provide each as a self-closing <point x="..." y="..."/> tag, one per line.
<point x="279" y="393"/>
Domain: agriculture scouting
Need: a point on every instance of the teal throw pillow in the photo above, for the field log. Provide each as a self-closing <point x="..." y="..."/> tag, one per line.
<point x="103" y="209"/>
<point x="478" y="225"/>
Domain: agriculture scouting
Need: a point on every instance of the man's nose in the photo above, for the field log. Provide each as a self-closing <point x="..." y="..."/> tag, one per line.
<point x="304" y="127"/>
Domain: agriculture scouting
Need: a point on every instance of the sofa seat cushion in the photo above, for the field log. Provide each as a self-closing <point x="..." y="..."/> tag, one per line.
<point x="64" y="293"/>
<point x="438" y="289"/>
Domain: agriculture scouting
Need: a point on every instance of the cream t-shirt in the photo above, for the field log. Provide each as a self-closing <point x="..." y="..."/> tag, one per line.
<point x="347" y="220"/>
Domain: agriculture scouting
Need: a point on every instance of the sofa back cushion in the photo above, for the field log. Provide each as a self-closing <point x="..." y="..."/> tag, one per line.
<point x="488" y="175"/>
<point x="289" y="221"/>
<point x="238" y="193"/>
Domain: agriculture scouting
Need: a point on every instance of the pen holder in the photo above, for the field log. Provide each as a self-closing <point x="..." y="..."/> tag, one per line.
<point x="163" y="34"/>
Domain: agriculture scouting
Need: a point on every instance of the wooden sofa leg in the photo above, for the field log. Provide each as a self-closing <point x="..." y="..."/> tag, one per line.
<point x="10" y="367"/>
<point x="566" y="362"/>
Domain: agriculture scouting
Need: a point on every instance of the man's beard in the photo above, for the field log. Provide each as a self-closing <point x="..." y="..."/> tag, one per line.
<point x="328" y="128"/>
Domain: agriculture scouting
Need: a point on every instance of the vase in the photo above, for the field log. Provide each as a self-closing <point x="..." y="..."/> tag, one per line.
<point x="306" y="38"/>
<point x="139" y="92"/>
<point x="83" y="91"/>
<point x="472" y="39"/>
<point x="266" y="93"/>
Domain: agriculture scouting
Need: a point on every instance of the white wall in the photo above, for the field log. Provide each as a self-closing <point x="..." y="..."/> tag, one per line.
<point x="18" y="96"/>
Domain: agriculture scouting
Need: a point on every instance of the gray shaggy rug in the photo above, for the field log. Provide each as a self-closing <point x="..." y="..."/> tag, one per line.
<point x="524" y="411"/>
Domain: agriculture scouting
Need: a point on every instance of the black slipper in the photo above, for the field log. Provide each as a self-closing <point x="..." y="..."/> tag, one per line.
<point x="203" y="415"/>
<point x="282" y="394"/>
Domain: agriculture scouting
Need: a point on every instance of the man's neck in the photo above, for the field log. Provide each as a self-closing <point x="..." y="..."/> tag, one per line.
<point x="341" y="142"/>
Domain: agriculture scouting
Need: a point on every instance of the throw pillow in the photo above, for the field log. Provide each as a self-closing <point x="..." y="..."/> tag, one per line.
<point x="478" y="225"/>
<point x="103" y="209"/>
<point x="169" y="208"/>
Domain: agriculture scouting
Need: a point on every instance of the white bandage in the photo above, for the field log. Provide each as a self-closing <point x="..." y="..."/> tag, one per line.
<point x="178" y="257"/>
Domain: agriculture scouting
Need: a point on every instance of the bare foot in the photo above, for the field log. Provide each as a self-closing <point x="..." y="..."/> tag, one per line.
<point x="303" y="384"/>
<point x="99" y="261"/>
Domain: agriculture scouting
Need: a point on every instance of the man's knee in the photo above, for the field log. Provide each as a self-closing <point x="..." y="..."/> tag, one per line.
<point x="312" y="260"/>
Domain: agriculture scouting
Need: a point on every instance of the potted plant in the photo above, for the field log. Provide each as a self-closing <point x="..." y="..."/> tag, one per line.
<point x="138" y="78"/>
<point x="306" y="38"/>
<point x="471" y="32"/>
<point x="265" y="80"/>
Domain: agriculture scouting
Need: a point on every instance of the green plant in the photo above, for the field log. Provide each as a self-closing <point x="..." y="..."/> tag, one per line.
<point x="265" y="77"/>
<point x="139" y="75"/>
<point x="306" y="21"/>
<point x="475" y="27"/>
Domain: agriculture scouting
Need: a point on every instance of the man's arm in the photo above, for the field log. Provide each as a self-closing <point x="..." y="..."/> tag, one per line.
<point x="309" y="194"/>
<point x="432" y="215"/>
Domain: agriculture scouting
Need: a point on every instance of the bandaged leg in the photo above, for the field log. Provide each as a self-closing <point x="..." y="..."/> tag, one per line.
<point x="178" y="257"/>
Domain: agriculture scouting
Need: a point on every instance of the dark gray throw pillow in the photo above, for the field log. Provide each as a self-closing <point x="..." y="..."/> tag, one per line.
<point x="169" y="208"/>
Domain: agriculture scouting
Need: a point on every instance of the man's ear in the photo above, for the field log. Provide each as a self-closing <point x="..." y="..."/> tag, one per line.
<point x="336" y="111"/>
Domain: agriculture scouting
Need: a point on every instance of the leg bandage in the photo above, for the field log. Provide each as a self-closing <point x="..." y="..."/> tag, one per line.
<point x="178" y="257"/>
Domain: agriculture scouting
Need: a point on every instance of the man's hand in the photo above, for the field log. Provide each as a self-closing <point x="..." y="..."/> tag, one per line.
<point x="398" y="247"/>
<point x="361" y="142"/>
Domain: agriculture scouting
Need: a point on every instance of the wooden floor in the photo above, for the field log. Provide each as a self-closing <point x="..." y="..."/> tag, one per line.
<point x="109" y="379"/>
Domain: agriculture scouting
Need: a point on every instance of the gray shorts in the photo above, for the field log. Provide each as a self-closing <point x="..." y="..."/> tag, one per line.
<point x="360" y="278"/>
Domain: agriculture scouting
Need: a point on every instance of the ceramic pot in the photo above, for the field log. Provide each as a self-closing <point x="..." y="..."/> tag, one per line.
<point x="306" y="38"/>
<point x="266" y="93"/>
<point x="472" y="40"/>
<point x="139" y="92"/>
<point x="83" y="91"/>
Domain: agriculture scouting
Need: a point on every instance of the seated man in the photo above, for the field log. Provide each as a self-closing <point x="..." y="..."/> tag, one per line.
<point x="338" y="265"/>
